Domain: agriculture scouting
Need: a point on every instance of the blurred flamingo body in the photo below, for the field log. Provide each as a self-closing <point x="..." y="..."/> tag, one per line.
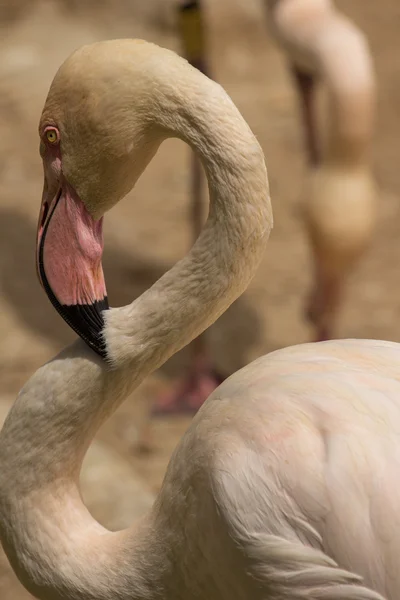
<point x="285" y="484"/>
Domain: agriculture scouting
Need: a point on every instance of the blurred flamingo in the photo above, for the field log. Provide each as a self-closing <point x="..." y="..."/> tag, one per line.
<point x="321" y="44"/>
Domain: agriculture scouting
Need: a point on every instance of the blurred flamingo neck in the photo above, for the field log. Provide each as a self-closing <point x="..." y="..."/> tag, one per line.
<point x="347" y="67"/>
<point x="323" y="43"/>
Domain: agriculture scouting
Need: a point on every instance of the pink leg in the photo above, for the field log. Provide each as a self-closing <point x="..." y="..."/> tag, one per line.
<point x="194" y="388"/>
<point x="323" y="304"/>
<point x="325" y="297"/>
<point x="315" y="315"/>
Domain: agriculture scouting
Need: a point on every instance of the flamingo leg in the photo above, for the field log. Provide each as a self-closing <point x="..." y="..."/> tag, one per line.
<point x="194" y="388"/>
<point x="323" y="302"/>
<point x="324" y="298"/>
<point x="305" y="85"/>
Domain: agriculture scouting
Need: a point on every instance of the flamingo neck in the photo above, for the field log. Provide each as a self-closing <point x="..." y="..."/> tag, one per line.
<point x="322" y="42"/>
<point x="56" y="548"/>
<point x="222" y="262"/>
<point x="54" y="545"/>
<point x="346" y="67"/>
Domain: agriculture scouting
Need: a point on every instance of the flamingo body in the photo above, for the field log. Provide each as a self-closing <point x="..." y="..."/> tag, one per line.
<point x="299" y="449"/>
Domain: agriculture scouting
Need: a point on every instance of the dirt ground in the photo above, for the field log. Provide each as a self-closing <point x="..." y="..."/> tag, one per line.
<point x="149" y="230"/>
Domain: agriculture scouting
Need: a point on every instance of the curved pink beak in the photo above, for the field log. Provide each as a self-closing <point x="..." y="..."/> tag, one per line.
<point x="69" y="249"/>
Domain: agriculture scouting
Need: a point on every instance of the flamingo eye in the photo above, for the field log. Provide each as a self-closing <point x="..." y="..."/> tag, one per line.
<point x="52" y="135"/>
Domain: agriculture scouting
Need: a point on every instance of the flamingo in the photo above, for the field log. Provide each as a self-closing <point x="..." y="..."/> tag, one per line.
<point x="285" y="484"/>
<point x="339" y="208"/>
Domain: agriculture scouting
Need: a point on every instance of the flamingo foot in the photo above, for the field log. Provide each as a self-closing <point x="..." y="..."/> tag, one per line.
<point x="189" y="394"/>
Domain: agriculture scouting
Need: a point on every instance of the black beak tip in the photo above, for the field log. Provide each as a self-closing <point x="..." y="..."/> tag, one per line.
<point x="88" y="322"/>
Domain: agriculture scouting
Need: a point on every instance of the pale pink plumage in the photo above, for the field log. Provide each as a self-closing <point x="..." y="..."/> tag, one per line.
<point x="285" y="485"/>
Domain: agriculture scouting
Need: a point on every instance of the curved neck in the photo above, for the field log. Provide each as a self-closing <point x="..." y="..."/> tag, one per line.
<point x="321" y="41"/>
<point x="54" y="545"/>
<point x="346" y="67"/>
<point x="219" y="267"/>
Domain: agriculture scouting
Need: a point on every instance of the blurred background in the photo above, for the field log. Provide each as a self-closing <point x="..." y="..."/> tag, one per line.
<point x="150" y="229"/>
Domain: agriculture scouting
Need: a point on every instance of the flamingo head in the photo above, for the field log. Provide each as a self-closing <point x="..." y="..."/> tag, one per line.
<point x="96" y="138"/>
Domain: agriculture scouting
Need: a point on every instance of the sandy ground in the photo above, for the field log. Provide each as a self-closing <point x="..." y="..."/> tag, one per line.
<point x="149" y="230"/>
